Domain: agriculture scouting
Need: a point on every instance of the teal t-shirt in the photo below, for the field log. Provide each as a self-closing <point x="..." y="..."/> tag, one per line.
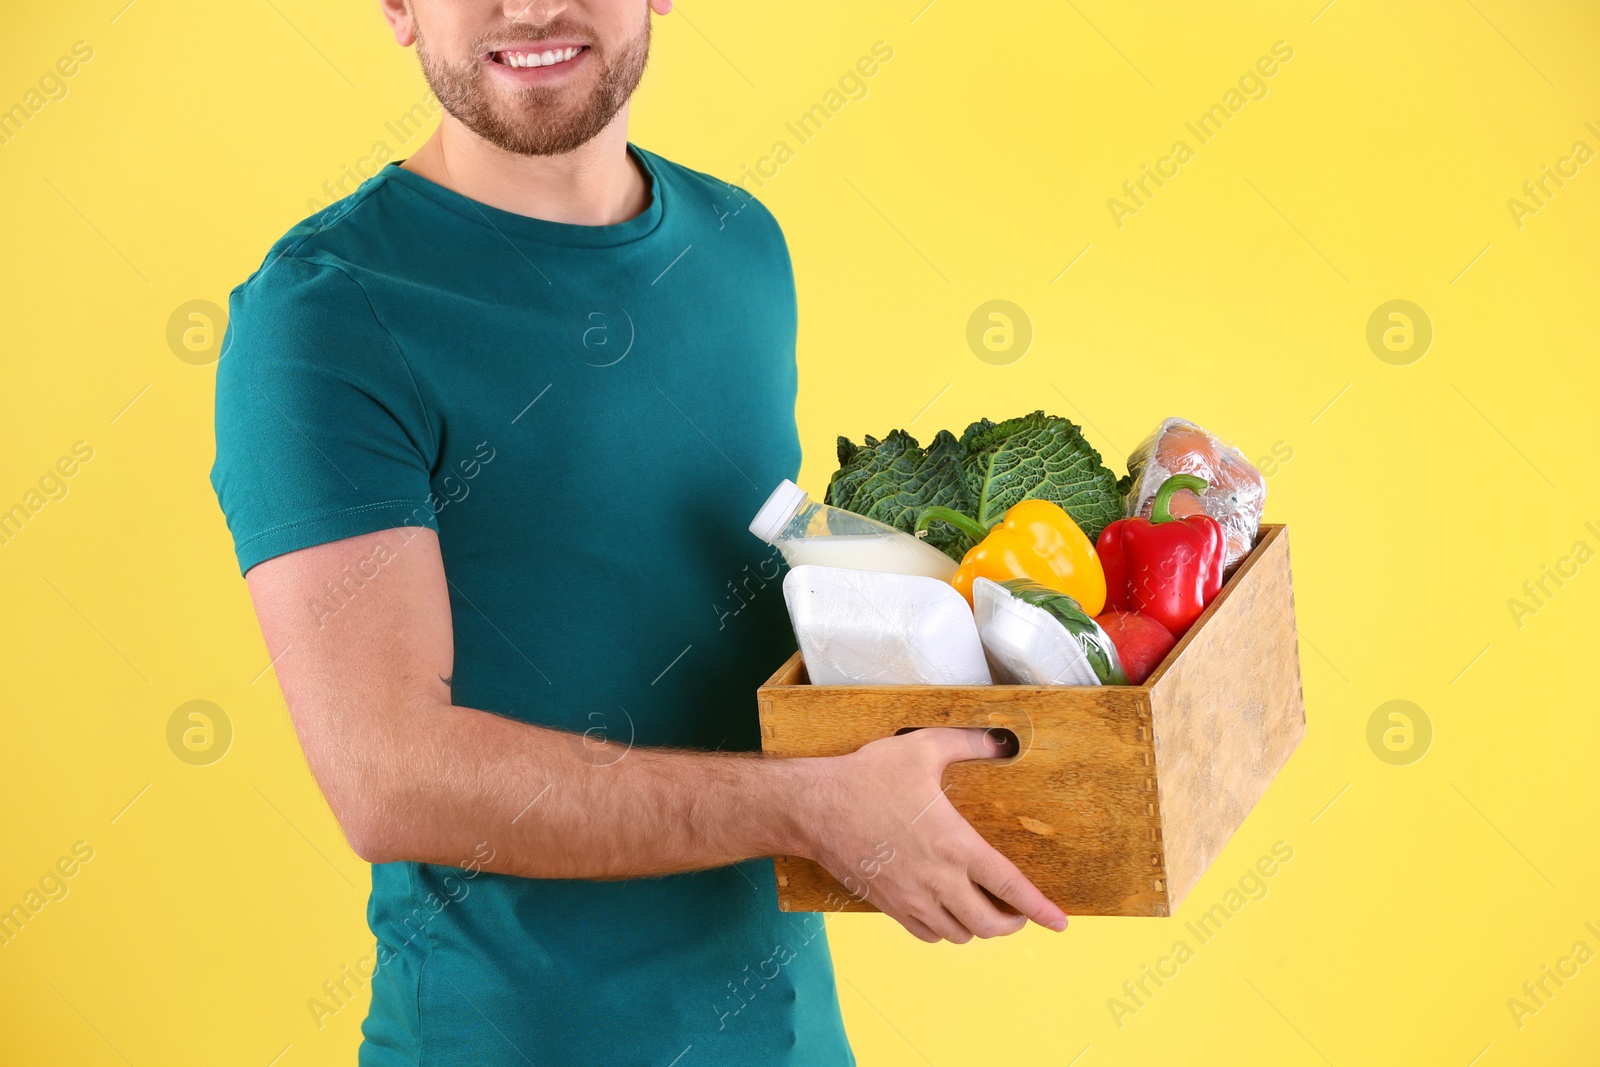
<point x="589" y="416"/>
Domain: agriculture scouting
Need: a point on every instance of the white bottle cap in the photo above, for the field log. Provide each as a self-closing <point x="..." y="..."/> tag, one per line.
<point x="777" y="511"/>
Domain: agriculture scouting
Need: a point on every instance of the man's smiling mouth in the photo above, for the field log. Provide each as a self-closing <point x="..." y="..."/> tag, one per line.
<point x="530" y="57"/>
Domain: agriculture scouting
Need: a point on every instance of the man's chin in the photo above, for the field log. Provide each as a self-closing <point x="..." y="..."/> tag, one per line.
<point x="541" y="135"/>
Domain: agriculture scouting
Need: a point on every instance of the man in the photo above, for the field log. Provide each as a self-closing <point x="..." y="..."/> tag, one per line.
<point x="489" y="433"/>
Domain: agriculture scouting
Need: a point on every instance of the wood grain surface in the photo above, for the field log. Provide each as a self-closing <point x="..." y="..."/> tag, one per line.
<point x="1228" y="711"/>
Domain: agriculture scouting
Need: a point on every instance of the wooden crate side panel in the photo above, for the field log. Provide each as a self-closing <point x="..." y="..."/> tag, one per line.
<point x="793" y="672"/>
<point x="1266" y="541"/>
<point x="1078" y="811"/>
<point x="1228" y="712"/>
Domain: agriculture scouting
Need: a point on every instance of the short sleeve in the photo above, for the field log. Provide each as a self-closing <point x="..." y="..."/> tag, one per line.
<point x="321" y="433"/>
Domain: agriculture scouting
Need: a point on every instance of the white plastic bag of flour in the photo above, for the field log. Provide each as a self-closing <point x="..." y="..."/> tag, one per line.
<point x="870" y="628"/>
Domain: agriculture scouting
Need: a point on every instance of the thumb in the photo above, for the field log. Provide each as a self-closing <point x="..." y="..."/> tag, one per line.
<point x="956" y="743"/>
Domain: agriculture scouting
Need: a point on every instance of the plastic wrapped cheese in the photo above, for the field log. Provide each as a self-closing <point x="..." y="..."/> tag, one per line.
<point x="1236" y="492"/>
<point x="1037" y="636"/>
<point x="872" y="628"/>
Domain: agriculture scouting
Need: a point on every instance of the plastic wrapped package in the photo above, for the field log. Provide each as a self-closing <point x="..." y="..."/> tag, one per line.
<point x="873" y="628"/>
<point x="1036" y="636"/>
<point x="1236" y="492"/>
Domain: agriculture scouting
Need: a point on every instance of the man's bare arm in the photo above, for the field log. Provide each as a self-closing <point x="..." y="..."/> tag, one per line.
<point x="412" y="776"/>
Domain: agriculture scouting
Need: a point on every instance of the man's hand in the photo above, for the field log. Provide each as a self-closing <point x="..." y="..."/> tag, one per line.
<point x="944" y="881"/>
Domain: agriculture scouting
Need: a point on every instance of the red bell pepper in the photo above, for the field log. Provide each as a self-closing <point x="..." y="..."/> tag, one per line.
<point x="1164" y="567"/>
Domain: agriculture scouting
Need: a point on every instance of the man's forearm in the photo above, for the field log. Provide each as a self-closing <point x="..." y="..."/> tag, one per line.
<point x="554" y="804"/>
<point x="413" y="776"/>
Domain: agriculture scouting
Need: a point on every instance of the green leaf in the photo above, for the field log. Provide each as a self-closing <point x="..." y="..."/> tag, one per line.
<point x="894" y="479"/>
<point x="1094" y="641"/>
<point x="1037" y="457"/>
<point x="990" y="468"/>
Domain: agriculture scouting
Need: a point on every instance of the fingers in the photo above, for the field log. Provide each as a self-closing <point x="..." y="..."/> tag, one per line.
<point x="919" y="929"/>
<point x="1000" y="876"/>
<point x="963" y="933"/>
<point x="976" y="911"/>
<point x="947" y="926"/>
<point x="965" y="914"/>
<point x="930" y="922"/>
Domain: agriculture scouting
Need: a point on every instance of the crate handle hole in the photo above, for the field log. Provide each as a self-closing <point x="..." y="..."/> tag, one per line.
<point x="1010" y="746"/>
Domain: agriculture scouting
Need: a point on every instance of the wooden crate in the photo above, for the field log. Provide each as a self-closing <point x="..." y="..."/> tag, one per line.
<point x="1121" y="796"/>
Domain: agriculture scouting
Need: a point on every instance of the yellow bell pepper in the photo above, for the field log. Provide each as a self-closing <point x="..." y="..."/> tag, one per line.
<point x="1036" y="539"/>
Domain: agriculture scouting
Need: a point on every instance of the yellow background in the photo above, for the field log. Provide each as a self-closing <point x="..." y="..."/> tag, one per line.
<point x="977" y="167"/>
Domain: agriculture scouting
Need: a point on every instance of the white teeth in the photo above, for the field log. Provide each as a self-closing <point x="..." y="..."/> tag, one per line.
<point x="538" y="59"/>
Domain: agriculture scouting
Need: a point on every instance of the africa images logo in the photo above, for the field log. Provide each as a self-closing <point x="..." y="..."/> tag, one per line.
<point x="1252" y="85"/>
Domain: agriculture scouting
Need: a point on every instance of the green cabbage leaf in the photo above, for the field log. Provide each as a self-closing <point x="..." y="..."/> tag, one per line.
<point x="981" y="474"/>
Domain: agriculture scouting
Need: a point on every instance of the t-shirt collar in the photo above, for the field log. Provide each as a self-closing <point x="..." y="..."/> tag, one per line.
<point x="542" y="230"/>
